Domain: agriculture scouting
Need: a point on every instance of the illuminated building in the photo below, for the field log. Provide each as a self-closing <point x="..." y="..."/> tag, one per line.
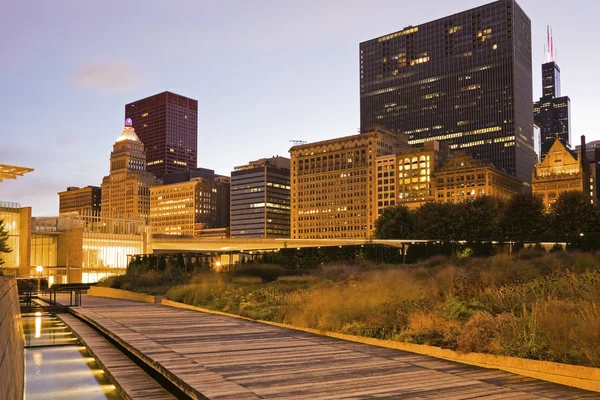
<point x="17" y="224"/>
<point x="552" y="113"/>
<point x="260" y="199"/>
<point x="192" y="201"/>
<point x="592" y="153"/>
<point x="560" y="171"/>
<point x="84" y="201"/>
<point x="74" y="248"/>
<point x="332" y="184"/>
<point x="465" y="79"/>
<point x="462" y="178"/>
<point x="405" y="178"/>
<point x="126" y="190"/>
<point x="167" y="124"/>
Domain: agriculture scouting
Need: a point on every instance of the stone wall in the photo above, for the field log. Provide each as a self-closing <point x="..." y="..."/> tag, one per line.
<point x="11" y="342"/>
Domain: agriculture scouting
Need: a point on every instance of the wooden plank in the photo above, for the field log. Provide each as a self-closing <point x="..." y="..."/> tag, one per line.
<point x="223" y="357"/>
<point x="132" y="381"/>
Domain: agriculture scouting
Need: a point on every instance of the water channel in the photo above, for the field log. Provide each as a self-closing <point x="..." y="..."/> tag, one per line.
<point x="57" y="366"/>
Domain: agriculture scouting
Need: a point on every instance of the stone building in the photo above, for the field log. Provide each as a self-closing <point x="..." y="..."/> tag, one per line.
<point x="126" y="190"/>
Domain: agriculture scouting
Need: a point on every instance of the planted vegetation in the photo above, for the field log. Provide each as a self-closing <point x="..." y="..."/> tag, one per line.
<point x="535" y="304"/>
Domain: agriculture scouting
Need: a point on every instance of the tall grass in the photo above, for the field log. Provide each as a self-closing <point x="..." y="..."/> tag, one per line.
<point x="534" y="305"/>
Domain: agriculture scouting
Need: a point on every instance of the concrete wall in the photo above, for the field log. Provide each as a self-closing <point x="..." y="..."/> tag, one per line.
<point x="99" y="291"/>
<point x="12" y="362"/>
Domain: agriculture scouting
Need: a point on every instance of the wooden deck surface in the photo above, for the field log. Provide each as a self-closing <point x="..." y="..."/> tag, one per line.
<point x="219" y="357"/>
<point x="129" y="378"/>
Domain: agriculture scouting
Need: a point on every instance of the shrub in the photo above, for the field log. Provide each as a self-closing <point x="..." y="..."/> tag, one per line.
<point x="557" y="247"/>
<point x="266" y="272"/>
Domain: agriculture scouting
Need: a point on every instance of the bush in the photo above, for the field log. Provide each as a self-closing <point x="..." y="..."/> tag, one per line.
<point x="557" y="247"/>
<point x="266" y="272"/>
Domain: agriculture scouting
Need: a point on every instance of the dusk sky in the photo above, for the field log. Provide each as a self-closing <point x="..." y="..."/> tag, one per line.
<point x="263" y="72"/>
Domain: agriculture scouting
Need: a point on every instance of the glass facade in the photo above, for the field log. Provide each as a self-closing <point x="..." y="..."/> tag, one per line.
<point x="260" y="199"/>
<point x="465" y="79"/>
<point x="552" y="113"/>
<point x="11" y="215"/>
<point x="167" y="124"/>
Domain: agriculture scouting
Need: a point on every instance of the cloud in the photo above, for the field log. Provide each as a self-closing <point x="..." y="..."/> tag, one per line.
<point x="106" y="77"/>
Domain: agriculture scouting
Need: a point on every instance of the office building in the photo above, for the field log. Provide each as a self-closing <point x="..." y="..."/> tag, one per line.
<point x="552" y="112"/>
<point x="464" y="78"/>
<point x="562" y="171"/>
<point x="463" y="178"/>
<point x="193" y="201"/>
<point x="260" y="199"/>
<point x="84" y="201"/>
<point x="406" y="178"/>
<point x="126" y="190"/>
<point x="17" y="224"/>
<point x="333" y="191"/>
<point x="592" y="155"/>
<point x="167" y="125"/>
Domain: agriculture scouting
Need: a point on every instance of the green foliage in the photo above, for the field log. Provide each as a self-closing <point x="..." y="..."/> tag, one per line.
<point x="524" y="217"/>
<point x="573" y="213"/>
<point x="266" y="272"/>
<point x="3" y="242"/>
<point x="480" y="219"/>
<point x="437" y="221"/>
<point x="395" y="223"/>
<point x="556" y="248"/>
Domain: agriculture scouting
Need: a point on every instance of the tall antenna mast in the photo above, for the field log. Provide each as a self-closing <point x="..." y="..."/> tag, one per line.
<point x="550" y="45"/>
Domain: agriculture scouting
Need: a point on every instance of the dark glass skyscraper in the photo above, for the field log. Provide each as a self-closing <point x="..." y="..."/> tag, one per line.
<point x="552" y="113"/>
<point x="465" y="78"/>
<point x="167" y="125"/>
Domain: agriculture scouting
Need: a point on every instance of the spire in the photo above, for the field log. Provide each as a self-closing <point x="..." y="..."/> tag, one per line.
<point x="128" y="132"/>
<point x="550" y="45"/>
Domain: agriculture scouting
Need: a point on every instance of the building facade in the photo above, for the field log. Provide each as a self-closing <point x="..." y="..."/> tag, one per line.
<point x="126" y="190"/>
<point x="260" y="199"/>
<point x="84" y="201"/>
<point x="190" y="206"/>
<point x="17" y="224"/>
<point x="332" y="184"/>
<point x="463" y="178"/>
<point x="561" y="171"/>
<point x="405" y="178"/>
<point x="167" y="125"/>
<point x="465" y="79"/>
<point x="552" y="112"/>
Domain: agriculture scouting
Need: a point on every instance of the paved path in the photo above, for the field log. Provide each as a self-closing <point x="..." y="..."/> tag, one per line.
<point x="228" y="358"/>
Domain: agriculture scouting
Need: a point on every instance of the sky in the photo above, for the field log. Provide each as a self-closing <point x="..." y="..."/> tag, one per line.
<point x="264" y="72"/>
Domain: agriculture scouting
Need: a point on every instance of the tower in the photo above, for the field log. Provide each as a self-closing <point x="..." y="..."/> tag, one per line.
<point x="552" y="112"/>
<point x="464" y="79"/>
<point x="126" y="190"/>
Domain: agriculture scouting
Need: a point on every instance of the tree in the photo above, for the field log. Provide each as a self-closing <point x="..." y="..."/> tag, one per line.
<point x="479" y="219"/>
<point x="573" y="213"/>
<point x="524" y="218"/>
<point x="3" y="242"/>
<point x="396" y="222"/>
<point x="436" y="221"/>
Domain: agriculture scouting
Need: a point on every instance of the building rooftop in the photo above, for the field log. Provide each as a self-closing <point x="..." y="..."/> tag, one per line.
<point x="128" y="134"/>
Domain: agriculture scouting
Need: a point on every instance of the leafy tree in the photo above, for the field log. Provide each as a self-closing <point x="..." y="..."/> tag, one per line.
<point x="524" y="217"/>
<point x="573" y="213"/>
<point x="436" y="221"/>
<point x="479" y="219"/>
<point x="3" y="242"/>
<point x="396" y="222"/>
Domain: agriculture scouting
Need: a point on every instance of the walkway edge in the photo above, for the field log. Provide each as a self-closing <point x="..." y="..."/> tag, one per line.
<point x="586" y="378"/>
<point x="581" y="377"/>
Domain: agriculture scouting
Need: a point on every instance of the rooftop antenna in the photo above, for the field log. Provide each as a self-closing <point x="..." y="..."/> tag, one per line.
<point x="550" y="46"/>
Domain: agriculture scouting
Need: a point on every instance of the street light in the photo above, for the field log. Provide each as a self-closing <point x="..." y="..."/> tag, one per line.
<point x="39" y="270"/>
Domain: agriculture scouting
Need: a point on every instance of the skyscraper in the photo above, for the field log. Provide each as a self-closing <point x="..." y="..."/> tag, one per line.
<point x="167" y="125"/>
<point x="465" y="79"/>
<point x="552" y="113"/>
<point x="126" y="190"/>
<point x="260" y="199"/>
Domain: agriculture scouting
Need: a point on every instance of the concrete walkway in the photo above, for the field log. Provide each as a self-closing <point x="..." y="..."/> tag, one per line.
<point x="219" y="357"/>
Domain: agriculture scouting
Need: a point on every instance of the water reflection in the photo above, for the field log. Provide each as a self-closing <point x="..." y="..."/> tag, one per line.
<point x="57" y="366"/>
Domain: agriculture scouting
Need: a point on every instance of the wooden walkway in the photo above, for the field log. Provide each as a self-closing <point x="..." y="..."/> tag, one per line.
<point x="128" y="377"/>
<point x="219" y="357"/>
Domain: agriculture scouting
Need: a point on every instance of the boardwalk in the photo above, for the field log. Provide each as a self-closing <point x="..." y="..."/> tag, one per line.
<point x="228" y="358"/>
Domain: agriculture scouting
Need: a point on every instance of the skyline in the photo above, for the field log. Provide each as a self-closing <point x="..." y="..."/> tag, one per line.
<point x="244" y="91"/>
